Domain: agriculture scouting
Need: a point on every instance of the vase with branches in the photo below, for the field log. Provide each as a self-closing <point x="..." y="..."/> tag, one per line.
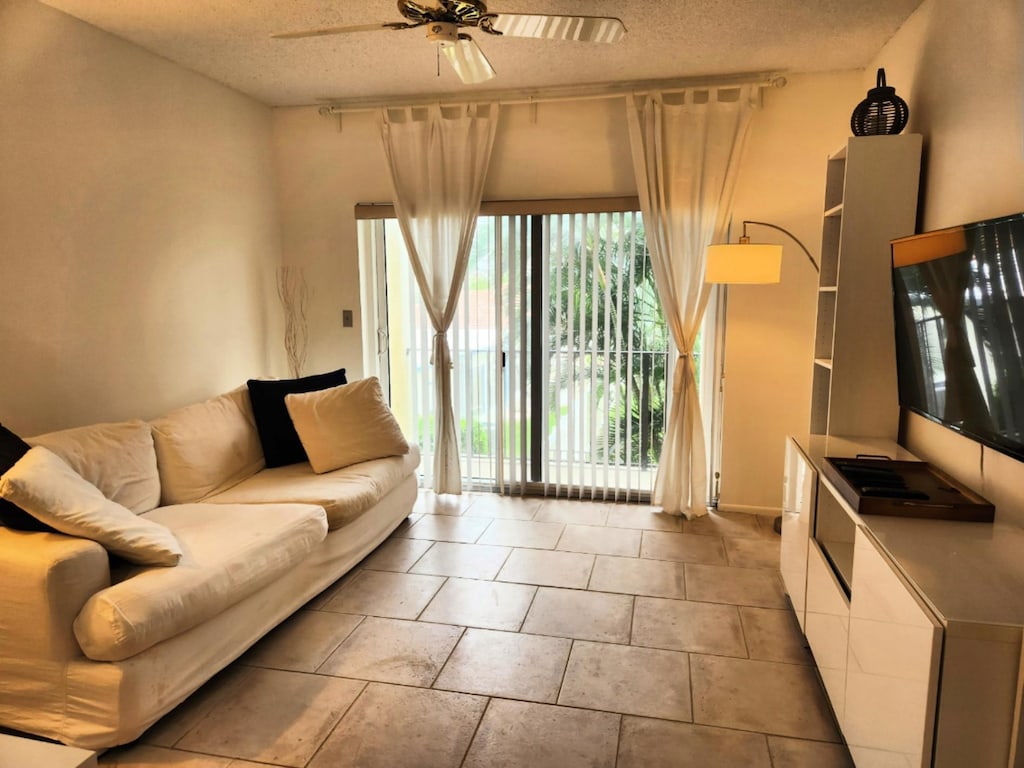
<point x="294" y="293"/>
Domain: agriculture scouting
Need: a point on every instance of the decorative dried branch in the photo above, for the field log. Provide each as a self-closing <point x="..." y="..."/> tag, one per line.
<point x="294" y="294"/>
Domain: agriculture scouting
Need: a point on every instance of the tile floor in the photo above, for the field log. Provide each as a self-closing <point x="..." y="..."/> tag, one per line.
<point x="493" y="632"/>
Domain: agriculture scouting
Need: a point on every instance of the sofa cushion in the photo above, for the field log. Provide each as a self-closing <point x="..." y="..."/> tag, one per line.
<point x="13" y="448"/>
<point x="46" y="487"/>
<point x="117" y="458"/>
<point x="231" y="552"/>
<point x="281" y="444"/>
<point x="345" y="425"/>
<point x="206" y="447"/>
<point x="344" y="493"/>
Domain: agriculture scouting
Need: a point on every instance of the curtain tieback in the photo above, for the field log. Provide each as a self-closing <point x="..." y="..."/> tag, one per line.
<point x="679" y="375"/>
<point x="440" y="350"/>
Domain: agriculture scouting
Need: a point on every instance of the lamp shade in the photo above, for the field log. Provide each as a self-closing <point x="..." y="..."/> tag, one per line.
<point x="743" y="263"/>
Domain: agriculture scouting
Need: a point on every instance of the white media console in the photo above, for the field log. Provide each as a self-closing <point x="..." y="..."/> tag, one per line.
<point x="915" y="625"/>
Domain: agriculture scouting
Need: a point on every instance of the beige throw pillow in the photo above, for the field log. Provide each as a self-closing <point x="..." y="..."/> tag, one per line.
<point x="46" y="487"/>
<point x="345" y="425"/>
<point x="205" y="448"/>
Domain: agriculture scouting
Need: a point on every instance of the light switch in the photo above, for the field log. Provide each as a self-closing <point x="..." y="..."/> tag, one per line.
<point x="346" y="318"/>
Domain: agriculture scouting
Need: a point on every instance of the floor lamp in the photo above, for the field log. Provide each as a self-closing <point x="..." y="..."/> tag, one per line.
<point x="745" y="263"/>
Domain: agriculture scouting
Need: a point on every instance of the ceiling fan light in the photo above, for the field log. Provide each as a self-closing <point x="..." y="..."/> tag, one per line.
<point x="442" y="32"/>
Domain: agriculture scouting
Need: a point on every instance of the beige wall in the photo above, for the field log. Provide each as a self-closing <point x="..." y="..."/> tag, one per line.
<point x="579" y="149"/>
<point x="138" y="228"/>
<point x="143" y="210"/>
<point x="326" y="168"/>
<point x="960" y="67"/>
<point x="769" y="338"/>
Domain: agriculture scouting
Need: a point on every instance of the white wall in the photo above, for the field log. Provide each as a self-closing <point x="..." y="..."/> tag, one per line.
<point x="960" y="66"/>
<point x="138" y="228"/>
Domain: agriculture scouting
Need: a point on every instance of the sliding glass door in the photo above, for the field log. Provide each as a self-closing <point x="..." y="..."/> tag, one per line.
<point x="562" y="358"/>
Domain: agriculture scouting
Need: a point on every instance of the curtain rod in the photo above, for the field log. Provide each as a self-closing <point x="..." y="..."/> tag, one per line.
<point x="564" y="93"/>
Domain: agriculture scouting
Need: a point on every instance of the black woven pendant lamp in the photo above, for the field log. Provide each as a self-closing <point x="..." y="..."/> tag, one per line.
<point x="881" y="113"/>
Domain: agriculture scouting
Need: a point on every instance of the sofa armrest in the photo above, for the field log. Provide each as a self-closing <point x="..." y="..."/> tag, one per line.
<point x="45" y="579"/>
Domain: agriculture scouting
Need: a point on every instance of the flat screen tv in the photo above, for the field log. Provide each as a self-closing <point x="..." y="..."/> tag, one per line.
<point x="958" y="296"/>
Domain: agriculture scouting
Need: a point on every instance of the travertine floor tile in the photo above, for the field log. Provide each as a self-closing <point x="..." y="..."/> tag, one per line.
<point x="774" y="698"/>
<point x="396" y="554"/>
<point x="685" y="547"/>
<point x="641" y="517"/>
<point x="506" y="664"/>
<point x="659" y="744"/>
<point x="465" y="530"/>
<point x="683" y="625"/>
<point x="319" y="601"/>
<point x="616" y="612"/>
<point x="575" y="512"/>
<point x="430" y="503"/>
<point x="146" y="756"/>
<point x="394" y="651"/>
<point x="167" y="731"/>
<point x="581" y="615"/>
<point x="622" y="678"/>
<point x="380" y="593"/>
<point x="396" y="727"/>
<point x="485" y="604"/>
<point x="774" y="635"/>
<point x="794" y="753"/>
<point x="758" y="587"/>
<point x="406" y="524"/>
<point x="734" y="524"/>
<point x="470" y="561"/>
<point x="303" y="641"/>
<point x="548" y="568"/>
<point x="658" y="578"/>
<point x="522" y="533"/>
<point x="503" y="507"/>
<point x="753" y="553"/>
<point x="273" y="717"/>
<point x="515" y="734"/>
<point x="600" y="540"/>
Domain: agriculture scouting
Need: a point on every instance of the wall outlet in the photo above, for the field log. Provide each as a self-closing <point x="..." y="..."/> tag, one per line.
<point x="346" y="318"/>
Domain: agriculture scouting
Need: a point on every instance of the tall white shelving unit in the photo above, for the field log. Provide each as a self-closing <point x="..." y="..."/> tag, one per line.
<point x="871" y="187"/>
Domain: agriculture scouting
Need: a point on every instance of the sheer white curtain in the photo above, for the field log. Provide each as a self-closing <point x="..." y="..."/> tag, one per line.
<point x="437" y="158"/>
<point x="686" y="150"/>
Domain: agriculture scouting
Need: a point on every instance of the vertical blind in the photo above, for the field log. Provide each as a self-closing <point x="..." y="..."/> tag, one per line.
<point x="562" y="358"/>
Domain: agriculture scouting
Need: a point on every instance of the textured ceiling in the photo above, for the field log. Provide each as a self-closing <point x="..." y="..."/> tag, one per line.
<point x="229" y="41"/>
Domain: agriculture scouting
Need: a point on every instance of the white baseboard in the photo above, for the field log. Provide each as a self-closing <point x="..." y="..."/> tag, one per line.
<point x="748" y="509"/>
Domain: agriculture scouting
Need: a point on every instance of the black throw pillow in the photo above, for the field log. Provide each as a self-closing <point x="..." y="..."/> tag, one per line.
<point x="280" y="441"/>
<point x="13" y="448"/>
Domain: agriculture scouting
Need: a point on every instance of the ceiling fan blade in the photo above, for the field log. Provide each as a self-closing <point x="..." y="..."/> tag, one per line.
<point x="468" y="60"/>
<point x="341" y="30"/>
<point x="584" y="29"/>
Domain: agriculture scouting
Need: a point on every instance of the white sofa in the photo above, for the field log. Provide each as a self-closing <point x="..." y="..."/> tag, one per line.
<point x="94" y="650"/>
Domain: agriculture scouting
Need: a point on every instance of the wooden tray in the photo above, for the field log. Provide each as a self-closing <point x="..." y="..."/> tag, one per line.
<point x="905" y="489"/>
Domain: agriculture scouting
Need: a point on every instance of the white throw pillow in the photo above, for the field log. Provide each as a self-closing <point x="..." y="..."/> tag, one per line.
<point x="345" y="425"/>
<point x="46" y="487"/>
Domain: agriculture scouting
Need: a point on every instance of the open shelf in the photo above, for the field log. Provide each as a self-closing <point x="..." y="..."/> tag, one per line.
<point x="871" y="186"/>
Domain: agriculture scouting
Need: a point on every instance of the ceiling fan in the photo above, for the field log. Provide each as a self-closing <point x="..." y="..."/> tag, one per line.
<point x="445" y="22"/>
